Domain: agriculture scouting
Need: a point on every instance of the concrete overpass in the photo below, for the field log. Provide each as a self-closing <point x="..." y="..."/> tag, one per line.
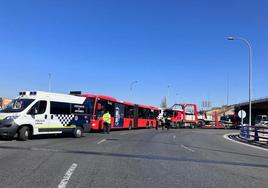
<point x="259" y="107"/>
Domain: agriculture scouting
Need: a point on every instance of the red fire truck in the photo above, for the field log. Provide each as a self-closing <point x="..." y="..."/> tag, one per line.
<point x="124" y="115"/>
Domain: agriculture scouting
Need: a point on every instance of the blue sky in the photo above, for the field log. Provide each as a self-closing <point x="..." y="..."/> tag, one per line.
<point x="101" y="46"/>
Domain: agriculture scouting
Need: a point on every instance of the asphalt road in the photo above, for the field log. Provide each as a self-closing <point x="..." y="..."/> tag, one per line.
<point x="136" y="158"/>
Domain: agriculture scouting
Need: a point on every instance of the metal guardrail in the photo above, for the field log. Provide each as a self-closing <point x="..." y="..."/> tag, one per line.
<point x="254" y="133"/>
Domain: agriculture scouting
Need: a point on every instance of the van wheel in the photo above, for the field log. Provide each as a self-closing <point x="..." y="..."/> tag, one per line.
<point x="78" y="132"/>
<point x="24" y="133"/>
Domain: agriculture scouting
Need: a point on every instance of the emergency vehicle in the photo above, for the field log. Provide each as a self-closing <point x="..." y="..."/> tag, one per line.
<point x="38" y="113"/>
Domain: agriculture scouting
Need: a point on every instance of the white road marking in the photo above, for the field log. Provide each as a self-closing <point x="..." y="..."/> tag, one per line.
<point x="44" y="149"/>
<point x="103" y="140"/>
<point x="189" y="149"/>
<point x="67" y="176"/>
<point x="203" y="132"/>
<point x="2" y="142"/>
<point x="123" y="133"/>
<point x="226" y="136"/>
<point x="174" y="137"/>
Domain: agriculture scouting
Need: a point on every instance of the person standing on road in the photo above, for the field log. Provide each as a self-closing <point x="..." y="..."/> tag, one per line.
<point x="168" y="123"/>
<point x="106" y="122"/>
<point x="163" y="122"/>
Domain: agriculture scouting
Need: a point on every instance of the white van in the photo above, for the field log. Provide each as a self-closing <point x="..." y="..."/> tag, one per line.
<point x="36" y="113"/>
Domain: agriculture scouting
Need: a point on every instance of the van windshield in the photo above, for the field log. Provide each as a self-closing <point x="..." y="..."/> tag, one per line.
<point x="17" y="105"/>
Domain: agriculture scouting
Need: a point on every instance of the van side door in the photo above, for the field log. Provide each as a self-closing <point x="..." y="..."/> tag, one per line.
<point x="39" y="116"/>
<point x="61" y="117"/>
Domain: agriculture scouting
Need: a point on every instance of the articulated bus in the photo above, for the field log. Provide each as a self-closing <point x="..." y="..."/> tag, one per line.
<point x="124" y="115"/>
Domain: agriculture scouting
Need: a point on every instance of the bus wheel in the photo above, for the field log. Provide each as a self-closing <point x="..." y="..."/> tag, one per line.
<point x="78" y="132"/>
<point x="24" y="133"/>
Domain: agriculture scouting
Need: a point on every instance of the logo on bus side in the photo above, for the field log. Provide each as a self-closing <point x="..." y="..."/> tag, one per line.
<point x="117" y="116"/>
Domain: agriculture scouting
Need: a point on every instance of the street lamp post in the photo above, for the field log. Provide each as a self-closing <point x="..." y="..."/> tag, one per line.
<point x="131" y="88"/>
<point x="250" y="70"/>
<point x="228" y="90"/>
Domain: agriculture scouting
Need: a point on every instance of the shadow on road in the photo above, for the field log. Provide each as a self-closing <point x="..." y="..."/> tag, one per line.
<point x="230" y="152"/>
<point x="138" y="156"/>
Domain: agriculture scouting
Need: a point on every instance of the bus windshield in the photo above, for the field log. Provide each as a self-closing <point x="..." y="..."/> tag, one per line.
<point x="17" y="105"/>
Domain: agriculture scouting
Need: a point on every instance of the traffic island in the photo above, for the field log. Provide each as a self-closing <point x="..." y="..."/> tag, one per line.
<point x="252" y="142"/>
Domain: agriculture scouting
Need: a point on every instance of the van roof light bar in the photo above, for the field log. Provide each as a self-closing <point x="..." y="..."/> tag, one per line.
<point x="77" y="93"/>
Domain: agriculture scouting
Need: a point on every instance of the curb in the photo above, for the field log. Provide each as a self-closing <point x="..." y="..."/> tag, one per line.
<point x="234" y="137"/>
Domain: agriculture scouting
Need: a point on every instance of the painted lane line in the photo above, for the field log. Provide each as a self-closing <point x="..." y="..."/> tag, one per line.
<point x="174" y="137"/>
<point x="44" y="149"/>
<point x="123" y="133"/>
<point x="103" y="140"/>
<point x="3" y="142"/>
<point x="226" y="136"/>
<point x="67" y="176"/>
<point x="189" y="149"/>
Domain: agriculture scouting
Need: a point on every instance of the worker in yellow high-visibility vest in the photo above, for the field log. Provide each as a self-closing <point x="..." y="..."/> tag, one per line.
<point x="106" y="122"/>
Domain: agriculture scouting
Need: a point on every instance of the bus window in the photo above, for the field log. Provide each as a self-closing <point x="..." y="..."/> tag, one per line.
<point x="156" y="114"/>
<point x="90" y="105"/>
<point x="129" y="111"/>
<point x="105" y="106"/>
<point x="151" y="114"/>
<point x="99" y="112"/>
<point x="141" y="113"/>
<point x="110" y="108"/>
<point x="144" y="113"/>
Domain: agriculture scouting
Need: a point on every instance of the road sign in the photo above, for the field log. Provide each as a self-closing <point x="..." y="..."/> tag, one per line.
<point x="242" y="114"/>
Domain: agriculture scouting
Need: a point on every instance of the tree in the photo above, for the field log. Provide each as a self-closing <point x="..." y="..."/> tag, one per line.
<point x="164" y="103"/>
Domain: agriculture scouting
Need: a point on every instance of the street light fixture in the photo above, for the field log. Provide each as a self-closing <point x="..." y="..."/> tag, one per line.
<point x="250" y="69"/>
<point x="230" y="38"/>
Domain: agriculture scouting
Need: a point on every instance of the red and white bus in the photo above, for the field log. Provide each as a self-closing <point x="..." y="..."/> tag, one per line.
<point x="124" y="115"/>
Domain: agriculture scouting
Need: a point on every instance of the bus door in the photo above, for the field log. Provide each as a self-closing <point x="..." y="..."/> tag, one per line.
<point x="119" y="110"/>
<point x="136" y="116"/>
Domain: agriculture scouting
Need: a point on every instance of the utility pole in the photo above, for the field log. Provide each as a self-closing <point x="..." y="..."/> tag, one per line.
<point x="250" y="71"/>
<point x="228" y="90"/>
